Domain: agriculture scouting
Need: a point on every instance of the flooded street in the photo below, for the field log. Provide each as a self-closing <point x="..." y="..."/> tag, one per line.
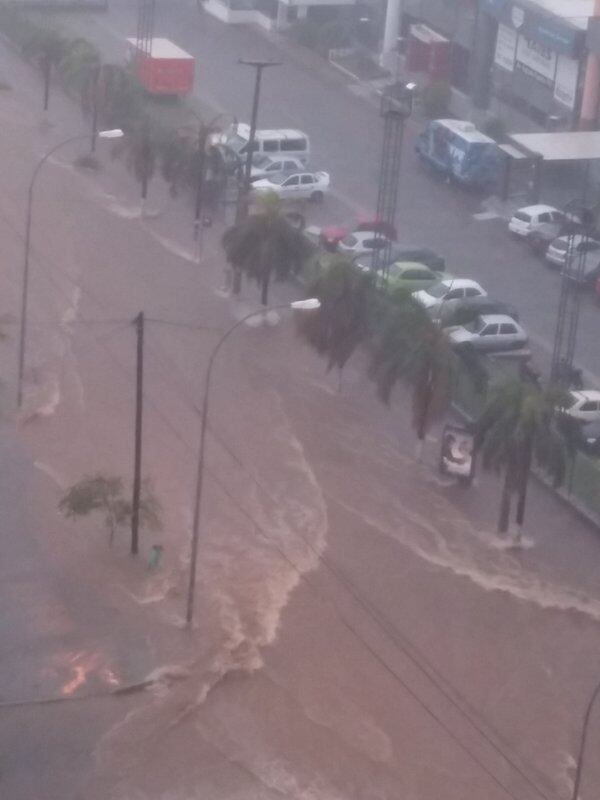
<point x="360" y="631"/>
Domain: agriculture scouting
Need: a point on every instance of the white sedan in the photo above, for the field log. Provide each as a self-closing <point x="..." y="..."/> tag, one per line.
<point x="583" y="405"/>
<point x="360" y="243"/>
<point x="446" y="294"/>
<point x="488" y="333"/>
<point x="295" y="185"/>
<point x="264" y="166"/>
<point x="528" y="219"/>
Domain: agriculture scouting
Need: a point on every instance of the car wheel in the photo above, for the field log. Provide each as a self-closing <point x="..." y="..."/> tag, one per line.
<point x="317" y="197"/>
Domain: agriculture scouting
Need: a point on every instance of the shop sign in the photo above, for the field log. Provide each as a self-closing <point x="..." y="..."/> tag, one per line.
<point x="536" y="60"/>
<point x="551" y="32"/>
<point x="506" y="45"/>
<point x="565" y="85"/>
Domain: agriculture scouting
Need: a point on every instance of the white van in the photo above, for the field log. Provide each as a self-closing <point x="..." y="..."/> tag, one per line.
<point x="283" y="141"/>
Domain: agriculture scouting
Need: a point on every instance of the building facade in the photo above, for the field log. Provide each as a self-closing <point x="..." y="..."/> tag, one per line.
<point x="531" y="55"/>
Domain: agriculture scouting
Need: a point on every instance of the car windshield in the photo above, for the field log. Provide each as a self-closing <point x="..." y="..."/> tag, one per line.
<point x="560" y="244"/>
<point x="476" y="326"/>
<point x="277" y="179"/>
<point x="260" y="161"/>
<point x="349" y="241"/>
<point x="236" y="142"/>
<point x="522" y="216"/>
<point x="438" y="290"/>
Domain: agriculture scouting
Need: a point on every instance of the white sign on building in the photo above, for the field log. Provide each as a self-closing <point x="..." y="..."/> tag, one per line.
<point x="506" y="46"/>
<point x="536" y="60"/>
<point x="565" y="85"/>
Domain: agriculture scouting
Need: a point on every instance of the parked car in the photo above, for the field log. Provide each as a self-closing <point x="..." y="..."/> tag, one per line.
<point x="583" y="404"/>
<point x="410" y="276"/>
<point x="528" y="219"/>
<point x="586" y="436"/>
<point x="565" y="247"/>
<point x="489" y="333"/>
<point x="540" y="239"/>
<point x="295" y="186"/>
<point x="465" y="311"/>
<point x="445" y="294"/>
<point x="331" y="235"/>
<point x="399" y="252"/>
<point x="263" y="166"/>
<point x="362" y="243"/>
<point x="587" y="275"/>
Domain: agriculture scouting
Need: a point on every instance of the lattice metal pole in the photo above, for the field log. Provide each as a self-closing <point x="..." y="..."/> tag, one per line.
<point x="580" y="221"/>
<point x="145" y="26"/>
<point x="394" y="111"/>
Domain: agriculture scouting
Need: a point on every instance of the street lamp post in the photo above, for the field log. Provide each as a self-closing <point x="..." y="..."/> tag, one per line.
<point x="582" y="742"/>
<point x="303" y="305"/>
<point x="111" y="134"/>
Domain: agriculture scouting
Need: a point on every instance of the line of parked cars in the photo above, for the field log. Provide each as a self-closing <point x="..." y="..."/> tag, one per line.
<point x="468" y="315"/>
<point x="550" y="233"/>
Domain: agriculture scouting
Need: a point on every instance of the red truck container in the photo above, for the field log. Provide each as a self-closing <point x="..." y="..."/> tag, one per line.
<point x="164" y="69"/>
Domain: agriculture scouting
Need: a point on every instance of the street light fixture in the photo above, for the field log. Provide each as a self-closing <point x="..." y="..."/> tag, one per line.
<point x="299" y="305"/>
<point x="114" y="133"/>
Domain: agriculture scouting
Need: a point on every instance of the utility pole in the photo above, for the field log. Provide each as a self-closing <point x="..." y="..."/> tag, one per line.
<point x="259" y="66"/>
<point x="137" y="464"/>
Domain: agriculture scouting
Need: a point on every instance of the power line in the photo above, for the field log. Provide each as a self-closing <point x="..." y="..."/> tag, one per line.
<point x="403" y="645"/>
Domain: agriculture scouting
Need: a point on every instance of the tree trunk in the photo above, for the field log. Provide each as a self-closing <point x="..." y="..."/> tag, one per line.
<point x="237" y="280"/>
<point x="504" y="518"/>
<point x="264" y="289"/>
<point x="523" y="484"/>
<point x="422" y="421"/>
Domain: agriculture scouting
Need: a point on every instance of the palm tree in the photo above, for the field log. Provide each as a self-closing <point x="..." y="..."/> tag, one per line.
<point x="341" y="323"/>
<point x="415" y="350"/>
<point x="141" y="144"/>
<point x="520" y="423"/>
<point x="50" y="47"/>
<point x="266" y="243"/>
<point x="77" y="66"/>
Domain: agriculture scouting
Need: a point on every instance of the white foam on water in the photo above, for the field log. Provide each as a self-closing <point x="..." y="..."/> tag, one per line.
<point x="52" y="473"/>
<point x="460" y="558"/>
<point x="171" y="246"/>
<point x="278" y="776"/>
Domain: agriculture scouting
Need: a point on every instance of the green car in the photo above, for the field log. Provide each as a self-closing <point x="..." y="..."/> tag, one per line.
<point x="410" y="276"/>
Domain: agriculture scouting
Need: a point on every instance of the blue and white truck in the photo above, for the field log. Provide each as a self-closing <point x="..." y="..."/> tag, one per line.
<point x="457" y="150"/>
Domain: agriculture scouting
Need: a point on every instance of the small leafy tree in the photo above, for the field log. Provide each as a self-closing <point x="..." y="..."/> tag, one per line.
<point x="520" y="423"/>
<point x="266" y="243"/>
<point x="341" y="323"/>
<point x="105" y="494"/>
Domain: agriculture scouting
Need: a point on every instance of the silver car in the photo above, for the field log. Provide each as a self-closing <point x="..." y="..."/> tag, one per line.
<point x="565" y="247"/>
<point x="488" y="333"/>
